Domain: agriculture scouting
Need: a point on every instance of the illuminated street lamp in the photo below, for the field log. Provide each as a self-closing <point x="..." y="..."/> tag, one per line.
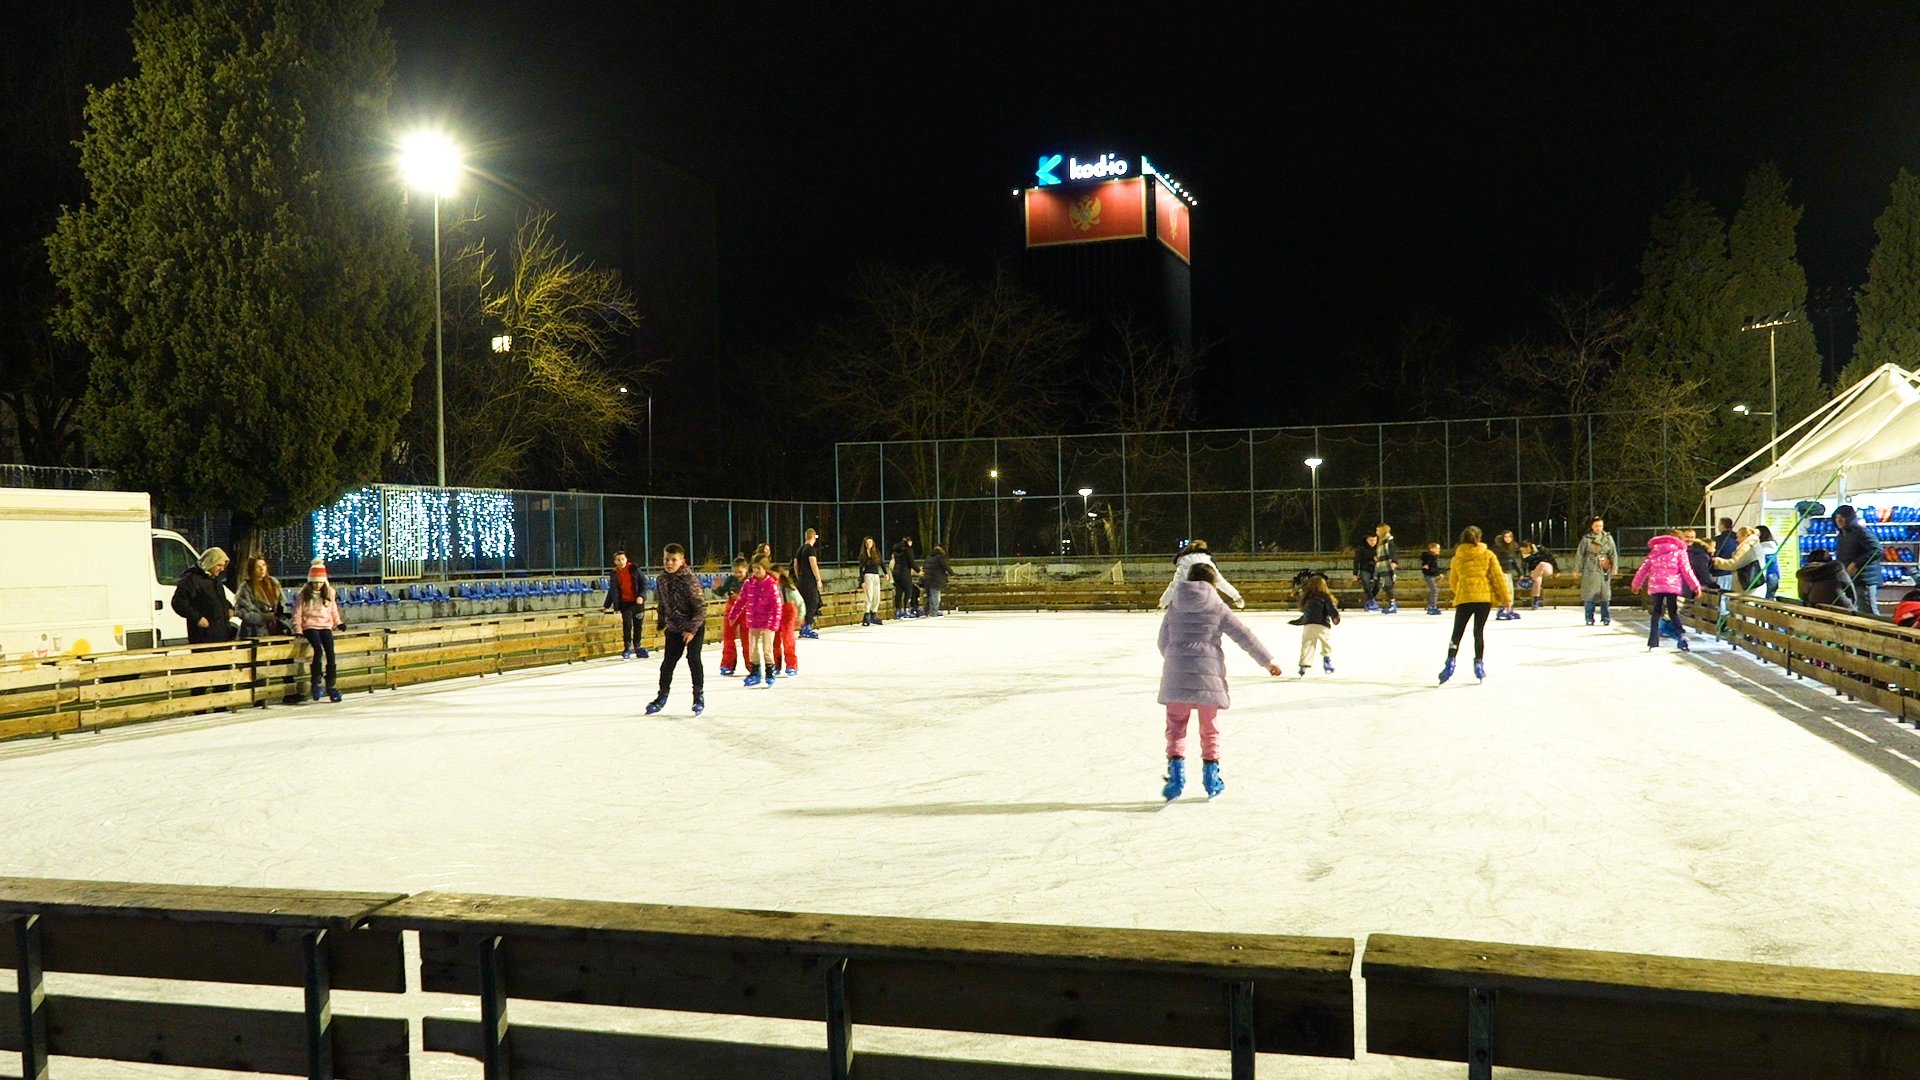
<point x="994" y="475"/>
<point x="430" y="162"/>
<point x="1313" y="464"/>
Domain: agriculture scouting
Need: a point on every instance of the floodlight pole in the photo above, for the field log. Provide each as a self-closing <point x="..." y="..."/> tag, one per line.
<point x="439" y="360"/>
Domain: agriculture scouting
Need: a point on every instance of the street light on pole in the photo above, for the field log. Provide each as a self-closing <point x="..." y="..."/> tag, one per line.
<point x="431" y="162"/>
<point x="1313" y="465"/>
<point x="994" y="475"/>
<point x="1084" y="493"/>
<point x="1770" y="323"/>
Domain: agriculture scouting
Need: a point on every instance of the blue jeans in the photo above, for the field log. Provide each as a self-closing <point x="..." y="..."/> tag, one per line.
<point x="1606" y="610"/>
<point x="933" y="599"/>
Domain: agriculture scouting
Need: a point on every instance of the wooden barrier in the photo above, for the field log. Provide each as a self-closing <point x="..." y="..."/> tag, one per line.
<point x="1589" y="1013"/>
<point x="1858" y="655"/>
<point x="312" y="940"/>
<point x="1237" y="993"/>
<point x="1629" y="1016"/>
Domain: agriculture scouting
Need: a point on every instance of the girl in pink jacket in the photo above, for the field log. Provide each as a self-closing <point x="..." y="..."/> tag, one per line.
<point x="760" y="596"/>
<point x="1665" y="573"/>
<point x="316" y="615"/>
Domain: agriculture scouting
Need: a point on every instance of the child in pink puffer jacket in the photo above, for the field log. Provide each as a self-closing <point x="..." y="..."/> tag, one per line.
<point x="1665" y="573"/>
<point x="760" y="596"/>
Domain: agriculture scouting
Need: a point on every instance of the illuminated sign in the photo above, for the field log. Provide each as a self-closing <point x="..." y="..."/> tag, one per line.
<point x="1115" y="210"/>
<point x="1104" y="167"/>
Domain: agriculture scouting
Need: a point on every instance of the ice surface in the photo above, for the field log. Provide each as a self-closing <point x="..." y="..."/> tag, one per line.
<point x="1007" y="766"/>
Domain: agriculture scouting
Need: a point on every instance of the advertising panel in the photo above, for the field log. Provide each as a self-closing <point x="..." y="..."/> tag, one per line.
<point x="1784" y="523"/>
<point x="1115" y="210"/>
<point x="1173" y="222"/>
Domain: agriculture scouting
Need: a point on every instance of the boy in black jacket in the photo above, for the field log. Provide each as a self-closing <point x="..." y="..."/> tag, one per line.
<point x="1430" y="571"/>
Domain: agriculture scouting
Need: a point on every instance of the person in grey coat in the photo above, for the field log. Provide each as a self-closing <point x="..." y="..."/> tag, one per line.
<point x="1595" y="559"/>
<point x="1193" y="673"/>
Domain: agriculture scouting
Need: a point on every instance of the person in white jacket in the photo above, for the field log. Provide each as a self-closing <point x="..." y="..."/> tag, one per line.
<point x="1192" y="553"/>
<point x="1747" y="563"/>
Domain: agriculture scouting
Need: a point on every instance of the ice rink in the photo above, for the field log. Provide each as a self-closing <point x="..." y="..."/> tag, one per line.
<point x="1007" y="766"/>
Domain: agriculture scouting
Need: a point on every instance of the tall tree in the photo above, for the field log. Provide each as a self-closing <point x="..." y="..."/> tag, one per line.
<point x="1685" y="326"/>
<point x="241" y="273"/>
<point x="1889" y="303"/>
<point x="1768" y="280"/>
<point x="550" y="402"/>
<point x="929" y="354"/>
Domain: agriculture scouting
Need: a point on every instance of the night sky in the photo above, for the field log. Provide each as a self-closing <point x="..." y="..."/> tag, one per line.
<point x="1350" y="171"/>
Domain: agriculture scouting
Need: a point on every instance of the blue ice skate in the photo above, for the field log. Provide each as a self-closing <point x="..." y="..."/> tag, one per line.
<point x="754" y="678"/>
<point x="699" y="704"/>
<point x="1210" y="779"/>
<point x="1372" y="604"/>
<point x="1447" y="672"/>
<point x="1176" y="779"/>
<point x="1480" y="669"/>
<point x="809" y="633"/>
<point x="626" y="654"/>
<point x="727" y="671"/>
<point x="767" y="679"/>
<point x="793" y="673"/>
<point x="640" y="654"/>
<point x="656" y="704"/>
<point x="334" y="695"/>
<point x="1326" y="664"/>
<point x="1392" y="608"/>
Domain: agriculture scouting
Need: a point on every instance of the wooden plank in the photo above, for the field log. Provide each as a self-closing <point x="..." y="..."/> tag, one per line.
<point x="43" y="675"/>
<point x="316" y="1016"/>
<point x="25" y="702"/>
<point x="166" y="708"/>
<point x="1877" y="997"/>
<point x="1200" y="953"/>
<point x="212" y="1037"/>
<point x="408" y="676"/>
<point x="30" y="996"/>
<point x="1019" y="996"/>
<point x="162" y="947"/>
<point x="546" y="1053"/>
<point x="308" y="908"/>
<point x="39" y="725"/>
<point x="1629" y="1039"/>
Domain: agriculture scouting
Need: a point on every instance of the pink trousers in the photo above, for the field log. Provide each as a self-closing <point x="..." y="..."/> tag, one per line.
<point x="1177" y="717"/>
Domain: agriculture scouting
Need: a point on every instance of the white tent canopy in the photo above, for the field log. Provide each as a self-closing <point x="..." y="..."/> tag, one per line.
<point x="1866" y="439"/>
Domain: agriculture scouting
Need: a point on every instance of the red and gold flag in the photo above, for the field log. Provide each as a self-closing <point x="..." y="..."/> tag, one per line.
<point x="1082" y="213"/>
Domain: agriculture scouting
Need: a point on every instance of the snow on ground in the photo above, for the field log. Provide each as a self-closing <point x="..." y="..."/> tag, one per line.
<point x="1007" y="766"/>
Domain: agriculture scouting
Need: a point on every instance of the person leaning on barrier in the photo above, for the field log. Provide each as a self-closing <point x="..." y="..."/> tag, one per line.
<point x="1856" y="550"/>
<point x="1744" y="564"/>
<point x="1824" y="583"/>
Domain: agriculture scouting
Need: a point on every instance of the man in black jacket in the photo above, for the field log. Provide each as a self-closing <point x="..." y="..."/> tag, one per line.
<point x="902" y="561"/>
<point x="806" y="575"/>
<point x="1855" y="549"/>
<point x="199" y="598"/>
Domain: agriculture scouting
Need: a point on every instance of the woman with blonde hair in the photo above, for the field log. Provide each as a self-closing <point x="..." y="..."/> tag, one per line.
<point x="1479" y="582"/>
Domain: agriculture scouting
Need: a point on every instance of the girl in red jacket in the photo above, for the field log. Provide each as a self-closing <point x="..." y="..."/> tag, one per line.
<point x="761" y="603"/>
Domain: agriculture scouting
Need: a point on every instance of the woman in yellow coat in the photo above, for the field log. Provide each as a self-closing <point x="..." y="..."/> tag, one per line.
<point x="1478" y="584"/>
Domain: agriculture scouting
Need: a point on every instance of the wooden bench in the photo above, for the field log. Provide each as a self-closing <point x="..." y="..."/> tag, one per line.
<point x="1240" y="993"/>
<point x="1628" y="1015"/>
<point x="307" y="939"/>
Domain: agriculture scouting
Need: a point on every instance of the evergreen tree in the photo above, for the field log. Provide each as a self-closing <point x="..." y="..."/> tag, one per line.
<point x="1685" y="330"/>
<point x="1889" y="303"/>
<point x="1768" y="280"/>
<point x="241" y="273"/>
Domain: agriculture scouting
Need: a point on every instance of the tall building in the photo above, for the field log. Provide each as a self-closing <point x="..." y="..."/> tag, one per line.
<point x="1111" y="237"/>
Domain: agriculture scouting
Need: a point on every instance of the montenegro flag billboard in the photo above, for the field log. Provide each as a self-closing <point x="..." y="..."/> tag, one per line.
<point x="1173" y="222"/>
<point x="1082" y="213"/>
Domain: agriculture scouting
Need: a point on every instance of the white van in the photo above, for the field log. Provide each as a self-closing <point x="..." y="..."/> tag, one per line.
<point x="86" y="572"/>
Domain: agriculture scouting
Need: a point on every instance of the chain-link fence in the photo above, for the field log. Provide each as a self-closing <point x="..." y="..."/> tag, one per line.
<point x="1254" y="489"/>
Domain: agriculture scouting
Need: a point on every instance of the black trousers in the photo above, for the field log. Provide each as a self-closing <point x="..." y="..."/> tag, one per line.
<point x="1671" y="603"/>
<point x="630" y="624"/>
<point x="1478" y="612"/>
<point x="675" y="647"/>
<point x="321" y="642"/>
<point x="810" y="592"/>
<point x="904" y="594"/>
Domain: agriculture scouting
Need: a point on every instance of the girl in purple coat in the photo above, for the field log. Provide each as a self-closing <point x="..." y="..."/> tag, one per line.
<point x="1665" y="572"/>
<point x="1193" y="674"/>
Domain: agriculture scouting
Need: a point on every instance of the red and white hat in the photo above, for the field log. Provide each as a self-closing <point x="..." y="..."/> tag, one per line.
<point x="317" y="570"/>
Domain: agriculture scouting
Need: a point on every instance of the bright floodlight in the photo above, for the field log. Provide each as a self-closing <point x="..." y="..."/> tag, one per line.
<point x="1741" y="409"/>
<point x="1084" y="492"/>
<point x="993" y="474"/>
<point x="1314" y="463"/>
<point x="430" y="162"/>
